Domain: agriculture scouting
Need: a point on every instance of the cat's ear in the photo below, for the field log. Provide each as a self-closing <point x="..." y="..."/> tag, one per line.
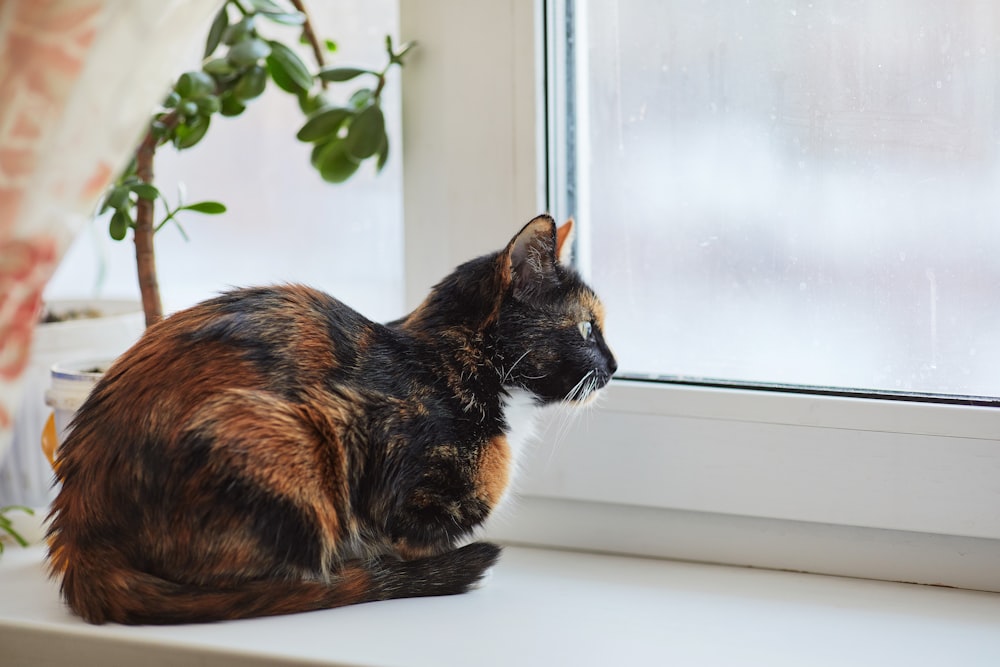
<point x="531" y="258"/>
<point x="564" y="241"/>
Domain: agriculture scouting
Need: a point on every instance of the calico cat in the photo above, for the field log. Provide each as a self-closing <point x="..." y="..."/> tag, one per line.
<point x="271" y="451"/>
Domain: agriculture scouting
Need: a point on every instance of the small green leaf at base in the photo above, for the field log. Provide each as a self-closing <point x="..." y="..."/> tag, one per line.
<point x="7" y="526"/>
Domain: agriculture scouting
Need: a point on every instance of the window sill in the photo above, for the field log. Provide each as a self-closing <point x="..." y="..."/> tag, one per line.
<point x="545" y="607"/>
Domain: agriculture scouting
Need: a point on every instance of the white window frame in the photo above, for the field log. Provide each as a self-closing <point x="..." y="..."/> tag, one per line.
<point x="862" y="487"/>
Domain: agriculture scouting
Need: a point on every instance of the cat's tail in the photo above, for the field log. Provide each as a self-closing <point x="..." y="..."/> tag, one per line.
<point x="104" y="594"/>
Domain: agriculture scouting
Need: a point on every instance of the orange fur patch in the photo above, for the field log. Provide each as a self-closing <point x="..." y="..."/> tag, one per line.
<point x="494" y="470"/>
<point x="274" y="443"/>
<point x="595" y="307"/>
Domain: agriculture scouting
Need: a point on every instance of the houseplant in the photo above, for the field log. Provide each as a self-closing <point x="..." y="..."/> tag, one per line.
<point x="239" y="60"/>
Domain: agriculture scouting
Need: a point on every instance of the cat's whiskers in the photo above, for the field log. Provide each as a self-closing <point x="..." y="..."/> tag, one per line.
<point x="506" y="375"/>
<point x="569" y="410"/>
<point x="578" y="388"/>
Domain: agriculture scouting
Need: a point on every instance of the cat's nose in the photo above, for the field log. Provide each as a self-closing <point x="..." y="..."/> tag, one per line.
<point x="612" y="365"/>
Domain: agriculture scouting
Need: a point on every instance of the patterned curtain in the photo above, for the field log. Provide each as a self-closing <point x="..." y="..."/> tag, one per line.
<point x="78" y="80"/>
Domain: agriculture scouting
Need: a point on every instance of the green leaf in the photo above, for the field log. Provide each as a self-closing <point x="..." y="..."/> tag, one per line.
<point x="267" y="7"/>
<point x="330" y="45"/>
<point x="238" y="31"/>
<point x="194" y="84"/>
<point x="251" y="84"/>
<point x="383" y="154"/>
<point x="188" y="108"/>
<point x="105" y="203"/>
<point x="219" y="25"/>
<point x="248" y="52"/>
<point x="337" y="165"/>
<point x="218" y="67"/>
<point x="320" y="150"/>
<point x="206" y="207"/>
<point x="118" y="198"/>
<point x="324" y="124"/>
<point x="172" y="99"/>
<point x="397" y="58"/>
<point x="285" y="18"/>
<point x="336" y="74"/>
<point x="281" y="77"/>
<point x="8" y="527"/>
<point x="145" y="191"/>
<point x="292" y="64"/>
<point x="118" y="227"/>
<point x="230" y="106"/>
<point x="208" y="105"/>
<point x="310" y="103"/>
<point x="190" y="134"/>
<point x="361" y="98"/>
<point x="364" y="136"/>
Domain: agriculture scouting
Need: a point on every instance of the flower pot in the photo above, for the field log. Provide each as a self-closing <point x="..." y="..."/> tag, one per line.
<point x="25" y="475"/>
<point x="71" y="384"/>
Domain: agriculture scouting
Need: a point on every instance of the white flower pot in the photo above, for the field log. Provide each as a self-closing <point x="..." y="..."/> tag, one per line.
<point x="25" y="475"/>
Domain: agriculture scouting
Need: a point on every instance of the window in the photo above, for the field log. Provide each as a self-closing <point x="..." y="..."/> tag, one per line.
<point x="792" y="193"/>
<point x="827" y="483"/>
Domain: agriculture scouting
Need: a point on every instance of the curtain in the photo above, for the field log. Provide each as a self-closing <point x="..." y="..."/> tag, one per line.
<point x="78" y="81"/>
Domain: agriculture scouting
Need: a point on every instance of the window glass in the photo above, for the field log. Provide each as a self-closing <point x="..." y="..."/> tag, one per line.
<point x="284" y="223"/>
<point x="801" y="192"/>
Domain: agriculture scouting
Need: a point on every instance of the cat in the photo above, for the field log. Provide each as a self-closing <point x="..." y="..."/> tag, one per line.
<point x="270" y="450"/>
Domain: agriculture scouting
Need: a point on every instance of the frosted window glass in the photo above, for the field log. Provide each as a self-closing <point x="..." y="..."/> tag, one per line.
<point x="794" y="192"/>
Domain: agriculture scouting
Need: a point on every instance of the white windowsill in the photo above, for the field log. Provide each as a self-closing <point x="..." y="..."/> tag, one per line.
<point x="545" y="607"/>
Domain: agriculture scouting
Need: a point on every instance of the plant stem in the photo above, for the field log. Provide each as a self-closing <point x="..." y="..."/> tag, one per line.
<point x="145" y="256"/>
<point x="310" y="34"/>
<point x="145" y="253"/>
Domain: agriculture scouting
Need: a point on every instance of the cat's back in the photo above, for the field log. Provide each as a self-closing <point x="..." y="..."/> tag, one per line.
<point x="283" y="340"/>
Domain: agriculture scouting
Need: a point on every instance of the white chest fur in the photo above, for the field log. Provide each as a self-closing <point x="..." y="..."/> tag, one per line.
<point x="521" y="414"/>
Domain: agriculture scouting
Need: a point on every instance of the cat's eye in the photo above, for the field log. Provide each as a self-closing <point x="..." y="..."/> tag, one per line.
<point x="586" y="329"/>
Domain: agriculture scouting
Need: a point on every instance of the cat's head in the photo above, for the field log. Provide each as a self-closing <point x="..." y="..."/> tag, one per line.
<point x="542" y="325"/>
<point x="549" y="325"/>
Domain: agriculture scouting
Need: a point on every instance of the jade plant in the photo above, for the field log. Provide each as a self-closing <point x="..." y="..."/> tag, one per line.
<point x="240" y="60"/>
